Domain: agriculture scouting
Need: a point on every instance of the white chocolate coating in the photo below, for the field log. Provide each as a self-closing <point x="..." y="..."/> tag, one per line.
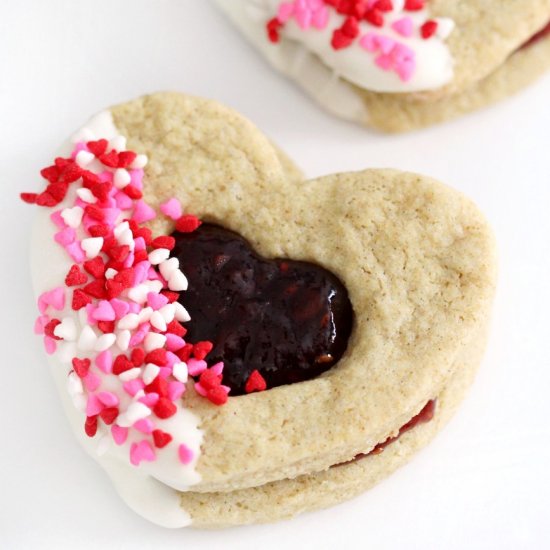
<point x="151" y="488"/>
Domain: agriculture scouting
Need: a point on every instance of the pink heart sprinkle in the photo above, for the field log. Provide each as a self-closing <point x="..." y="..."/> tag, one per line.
<point x="320" y="18"/>
<point x="144" y="425"/>
<point x="93" y="406"/>
<point x="171" y="358"/>
<point x="165" y="372"/>
<point x="40" y="323"/>
<point x="199" y="389"/>
<point x="57" y="219"/>
<point x="149" y="399"/>
<point x="129" y="261"/>
<point x="173" y="342"/>
<point x="369" y="42"/>
<point x="120" y="307"/>
<point x="172" y="209"/>
<point x="285" y="11"/>
<point x="119" y="434"/>
<point x="123" y="201"/>
<point x="185" y="454"/>
<point x="175" y="390"/>
<point x="90" y="308"/>
<point x="109" y="399"/>
<point x="49" y="345"/>
<point x="196" y="366"/>
<point x="140" y="272"/>
<point x="141" y="451"/>
<point x="217" y="368"/>
<point x="140" y="334"/>
<point x="385" y="44"/>
<point x="406" y="69"/>
<point x="65" y="236"/>
<point x="156" y="301"/>
<point x="303" y="18"/>
<point x="75" y="252"/>
<point x="92" y="381"/>
<point x="136" y="178"/>
<point x="403" y="26"/>
<point x="131" y="387"/>
<point x="385" y="62"/>
<point x="139" y="244"/>
<point x="142" y="212"/>
<point x="104" y="361"/>
<point x="110" y="215"/>
<point x="104" y="312"/>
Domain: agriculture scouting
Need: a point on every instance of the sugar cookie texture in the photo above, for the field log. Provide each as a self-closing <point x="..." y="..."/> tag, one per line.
<point x="416" y="257"/>
<point x="397" y="65"/>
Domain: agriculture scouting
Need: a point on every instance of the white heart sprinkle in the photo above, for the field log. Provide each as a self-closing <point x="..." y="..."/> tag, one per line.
<point x="159" y="255"/>
<point x="168" y="267"/>
<point x="72" y="216"/>
<point x="123" y="339"/>
<point x="150" y="372"/>
<point x="74" y="384"/>
<point x="66" y="329"/>
<point x="153" y="341"/>
<point x="145" y="314"/>
<point x="181" y="313"/>
<point x="168" y="312"/>
<point x="86" y="195"/>
<point x="127" y="238"/>
<point x="130" y="374"/>
<point x="157" y="320"/>
<point x="120" y="228"/>
<point x="154" y="286"/>
<point x="110" y="273"/>
<point x="121" y="178"/>
<point x="177" y="281"/>
<point x="139" y="162"/>
<point x="87" y="339"/>
<point x="128" y="322"/>
<point x="118" y="143"/>
<point x="92" y="246"/>
<point x="138" y="294"/>
<point x="445" y="27"/>
<point x="105" y="341"/>
<point x="84" y="158"/>
<point x="179" y="372"/>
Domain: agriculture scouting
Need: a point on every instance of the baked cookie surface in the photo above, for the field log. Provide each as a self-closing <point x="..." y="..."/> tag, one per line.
<point x="416" y="258"/>
<point x="398" y="65"/>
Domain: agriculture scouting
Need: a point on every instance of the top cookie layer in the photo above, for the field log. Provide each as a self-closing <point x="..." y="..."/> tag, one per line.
<point x="416" y="257"/>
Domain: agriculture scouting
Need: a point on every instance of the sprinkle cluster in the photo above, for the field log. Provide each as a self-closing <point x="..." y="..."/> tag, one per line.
<point x="116" y="320"/>
<point x="389" y="54"/>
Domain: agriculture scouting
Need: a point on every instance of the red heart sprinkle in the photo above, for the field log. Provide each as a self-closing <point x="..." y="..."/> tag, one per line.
<point x="109" y="415"/>
<point x="95" y="289"/>
<point x="98" y="147"/>
<point x="255" y="382"/>
<point x="125" y="158"/>
<point x="95" y="267"/>
<point x="29" y="198"/>
<point x="161" y="438"/>
<point x="158" y="385"/>
<point x="185" y="352"/>
<point x="164" y="241"/>
<point x="109" y="159"/>
<point x="90" y="426"/>
<point x="81" y="366"/>
<point x="428" y="29"/>
<point x="164" y="408"/>
<point x="80" y="299"/>
<point x="157" y="357"/>
<point x="50" y="327"/>
<point x="106" y="326"/>
<point x="175" y="327"/>
<point x="121" y="364"/>
<point x="172" y="296"/>
<point x="187" y="223"/>
<point x="217" y="396"/>
<point x="202" y="349"/>
<point x="137" y="357"/>
<point x="75" y="277"/>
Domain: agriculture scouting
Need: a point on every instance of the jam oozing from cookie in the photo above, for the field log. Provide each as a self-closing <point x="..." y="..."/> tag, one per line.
<point x="286" y="319"/>
<point x="543" y="33"/>
<point x="425" y="415"/>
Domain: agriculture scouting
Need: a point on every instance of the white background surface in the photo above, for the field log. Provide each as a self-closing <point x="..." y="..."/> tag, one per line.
<point x="483" y="483"/>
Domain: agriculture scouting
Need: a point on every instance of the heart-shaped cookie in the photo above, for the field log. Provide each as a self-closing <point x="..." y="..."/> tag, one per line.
<point x="415" y="258"/>
<point x="400" y="64"/>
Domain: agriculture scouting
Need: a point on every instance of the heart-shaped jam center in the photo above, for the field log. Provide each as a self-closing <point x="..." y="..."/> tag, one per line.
<point x="287" y="319"/>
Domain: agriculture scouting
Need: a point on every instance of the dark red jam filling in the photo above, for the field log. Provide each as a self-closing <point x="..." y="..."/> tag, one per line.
<point x="425" y="415"/>
<point x="289" y="320"/>
<point x="543" y="33"/>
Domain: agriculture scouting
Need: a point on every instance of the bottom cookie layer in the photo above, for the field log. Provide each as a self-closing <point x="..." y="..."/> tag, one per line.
<point x="287" y="498"/>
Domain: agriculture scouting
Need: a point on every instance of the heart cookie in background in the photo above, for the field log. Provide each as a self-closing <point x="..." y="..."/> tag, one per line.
<point x="397" y="65"/>
<point x="234" y="344"/>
